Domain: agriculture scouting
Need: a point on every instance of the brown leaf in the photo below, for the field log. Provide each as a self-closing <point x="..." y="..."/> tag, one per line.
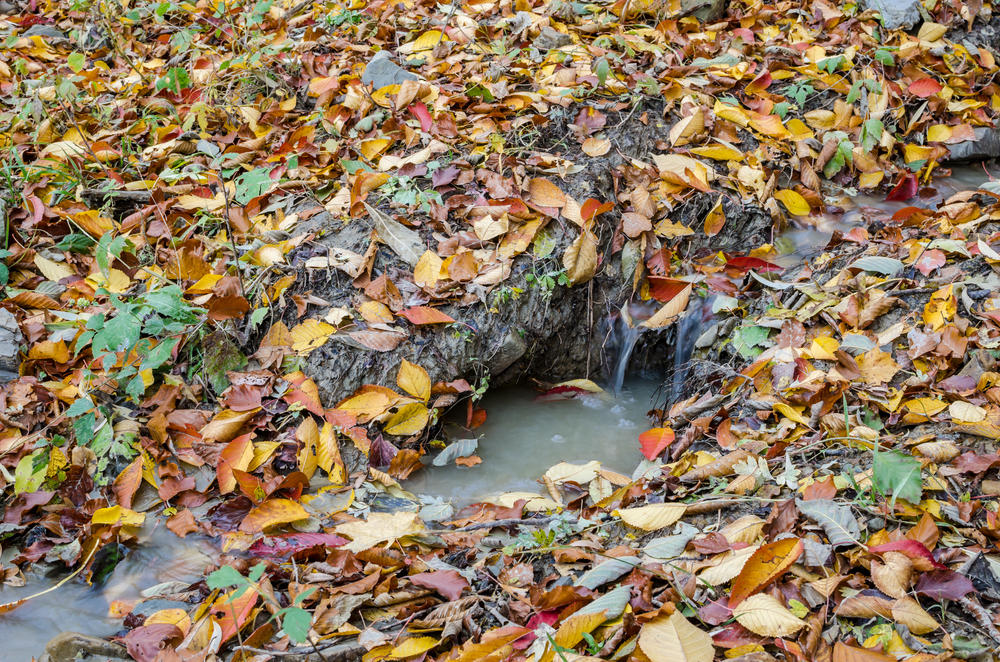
<point x="128" y="482"/>
<point x="766" y="565"/>
<point x="580" y="258"/>
<point x="448" y="583"/>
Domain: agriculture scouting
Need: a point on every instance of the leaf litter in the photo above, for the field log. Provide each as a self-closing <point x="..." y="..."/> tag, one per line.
<point x="828" y="488"/>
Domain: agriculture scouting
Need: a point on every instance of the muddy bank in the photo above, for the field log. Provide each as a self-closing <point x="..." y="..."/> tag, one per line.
<point x="531" y="323"/>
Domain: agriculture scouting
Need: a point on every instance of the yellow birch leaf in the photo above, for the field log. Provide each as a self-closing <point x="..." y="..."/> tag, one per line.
<point x="308" y="435"/>
<point x="271" y="513"/>
<point x="653" y="516"/>
<point x="52" y="270"/>
<point x="580" y="258"/>
<point x="674" y="639"/>
<point x="412" y="647"/>
<point x="427" y="271"/>
<point x="793" y="201"/>
<point x="328" y="454"/>
<point x="414" y="380"/>
<point x="718" y="153"/>
<point x="310" y="334"/>
<point x="409" y="419"/>
<point x="762" y="614"/>
<point x="571" y="631"/>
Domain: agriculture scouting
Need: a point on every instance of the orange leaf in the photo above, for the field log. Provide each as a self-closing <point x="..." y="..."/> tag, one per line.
<point x="924" y="87"/>
<point x="426" y="315"/>
<point x="128" y="482"/>
<point x="546" y="194"/>
<point x="236" y="455"/>
<point x="715" y="220"/>
<point x="272" y="512"/>
<point x="655" y="441"/>
<point x="767" y="564"/>
<point x="225" y="425"/>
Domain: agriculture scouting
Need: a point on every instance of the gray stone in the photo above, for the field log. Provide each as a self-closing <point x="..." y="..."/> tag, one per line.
<point x="707" y="11"/>
<point x="46" y="32"/>
<point x="985" y="146"/>
<point x="382" y="71"/>
<point x="550" y="39"/>
<point x="76" y="647"/>
<point x="511" y="348"/>
<point x="10" y="342"/>
<point x="896" y="14"/>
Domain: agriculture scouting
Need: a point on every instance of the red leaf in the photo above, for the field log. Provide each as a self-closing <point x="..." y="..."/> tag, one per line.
<point x="284" y="545"/>
<point x="448" y="583"/>
<point x="425" y="315"/>
<point x="929" y="261"/>
<point x="944" y="585"/>
<point x="744" y="263"/>
<point x="420" y="111"/>
<point x="915" y="550"/>
<point x="592" y="208"/>
<point x="665" y="289"/>
<point x="906" y="189"/>
<point x="655" y="441"/>
<point x="924" y="87"/>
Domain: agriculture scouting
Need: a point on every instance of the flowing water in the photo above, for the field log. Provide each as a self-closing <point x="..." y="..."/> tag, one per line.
<point x="77" y="607"/>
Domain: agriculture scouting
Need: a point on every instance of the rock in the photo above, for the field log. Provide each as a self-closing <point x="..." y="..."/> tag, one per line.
<point x="8" y="7"/>
<point x="76" y="647"/>
<point x="707" y="11"/>
<point x="550" y="39"/>
<point x="896" y="14"/>
<point x="10" y="345"/>
<point x="382" y="71"/>
<point x="46" y="32"/>
<point x="985" y="146"/>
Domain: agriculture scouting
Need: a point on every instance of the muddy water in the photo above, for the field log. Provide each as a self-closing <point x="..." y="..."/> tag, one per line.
<point x="523" y="436"/>
<point x="77" y="607"/>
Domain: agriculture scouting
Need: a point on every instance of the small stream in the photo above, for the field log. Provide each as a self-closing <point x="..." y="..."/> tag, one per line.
<point x="76" y="607"/>
<point x="522" y="437"/>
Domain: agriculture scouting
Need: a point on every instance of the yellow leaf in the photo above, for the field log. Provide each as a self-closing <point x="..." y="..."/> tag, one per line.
<point x="271" y="513"/>
<point x="670" y="311"/>
<point x="225" y="425"/>
<point x="871" y="179"/>
<point x="409" y="419"/>
<point x="715" y="220"/>
<point x="580" y="258"/>
<point x="764" y="615"/>
<point x="414" y="380"/>
<point x="686" y="128"/>
<point x="767" y="564"/>
<point x="116" y="281"/>
<point x="925" y="406"/>
<point x="674" y="639"/>
<point x="376" y="312"/>
<point x="424" y="42"/>
<point x="308" y="435"/>
<point x="931" y="31"/>
<point x="571" y="631"/>
<point x="427" y="271"/>
<point x="328" y="454"/>
<point x="366" y="405"/>
<point x="544" y="193"/>
<point x="379" y="528"/>
<point x="652" y="517"/>
<point x="941" y="308"/>
<point x="938" y="133"/>
<point x="370" y="149"/>
<point x="310" y="334"/>
<point x="967" y="412"/>
<point x="791" y="413"/>
<point x="413" y="647"/>
<point x="91" y="222"/>
<point x="877" y="367"/>
<point x="793" y="201"/>
<point x="908" y="611"/>
<point x="718" y="153"/>
<point x="52" y="270"/>
<point x="116" y="514"/>
<point x="824" y="348"/>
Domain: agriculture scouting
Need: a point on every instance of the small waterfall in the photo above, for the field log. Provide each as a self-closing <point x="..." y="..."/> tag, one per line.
<point x="689" y="327"/>
<point x="627" y="330"/>
<point x="629" y="337"/>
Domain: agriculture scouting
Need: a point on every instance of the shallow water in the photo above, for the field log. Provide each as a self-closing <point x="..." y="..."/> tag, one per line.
<point x="810" y="237"/>
<point x="523" y="437"/>
<point x="77" y="607"/>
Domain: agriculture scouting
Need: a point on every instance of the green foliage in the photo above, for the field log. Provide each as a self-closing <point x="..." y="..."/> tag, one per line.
<point x="295" y="620"/>
<point x="750" y="341"/>
<point x="897" y="476"/>
<point x="800" y="91"/>
<point x="175" y="80"/>
<point x="871" y="134"/>
<point x="884" y="56"/>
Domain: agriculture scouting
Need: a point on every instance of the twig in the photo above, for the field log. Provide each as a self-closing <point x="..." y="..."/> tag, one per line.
<point x="982" y="617"/>
<point x="500" y="522"/>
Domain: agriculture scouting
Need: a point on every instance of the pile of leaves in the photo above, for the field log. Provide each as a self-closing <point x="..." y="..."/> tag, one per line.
<point x="830" y="490"/>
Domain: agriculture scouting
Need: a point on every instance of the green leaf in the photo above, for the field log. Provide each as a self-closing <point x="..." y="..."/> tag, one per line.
<point x="225" y="577"/>
<point x="602" y="69"/>
<point x="871" y="134"/>
<point x="76" y="62"/>
<point x="749" y="340"/>
<point x="897" y="476"/>
<point x="76" y="242"/>
<point x="295" y="622"/>
<point x="884" y="56"/>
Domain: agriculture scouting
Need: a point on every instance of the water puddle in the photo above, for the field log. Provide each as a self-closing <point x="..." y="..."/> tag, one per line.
<point x="76" y="607"/>
<point x="523" y="437"/>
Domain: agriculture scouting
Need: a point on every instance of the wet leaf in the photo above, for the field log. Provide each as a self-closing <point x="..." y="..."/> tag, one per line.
<point x="272" y="513"/>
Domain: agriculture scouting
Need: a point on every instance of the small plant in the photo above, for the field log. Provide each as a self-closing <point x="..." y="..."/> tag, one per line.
<point x="546" y="282"/>
<point x="294" y="620"/>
